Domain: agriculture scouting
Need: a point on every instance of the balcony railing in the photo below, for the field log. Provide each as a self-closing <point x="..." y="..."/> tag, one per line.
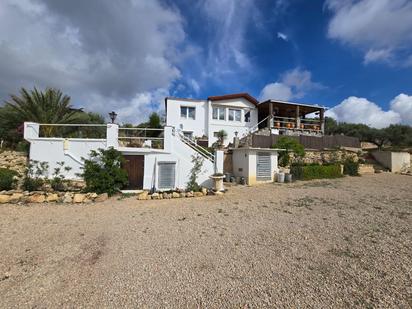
<point x="141" y="138"/>
<point x="290" y="123"/>
<point x="72" y="131"/>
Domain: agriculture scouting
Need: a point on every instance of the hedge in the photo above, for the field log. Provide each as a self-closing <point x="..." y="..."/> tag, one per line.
<point x="313" y="171"/>
<point x="7" y="181"/>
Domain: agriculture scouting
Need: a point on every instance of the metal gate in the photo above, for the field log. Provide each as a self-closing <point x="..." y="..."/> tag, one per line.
<point x="263" y="166"/>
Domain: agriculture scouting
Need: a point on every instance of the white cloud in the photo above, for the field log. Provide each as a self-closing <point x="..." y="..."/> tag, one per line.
<point x="282" y="36"/>
<point x="360" y="110"/>
<point x="376" y="27"/>
<point x="402" y="104"/>
<point x="114" y="52"/>
<point x="293" y="84"/>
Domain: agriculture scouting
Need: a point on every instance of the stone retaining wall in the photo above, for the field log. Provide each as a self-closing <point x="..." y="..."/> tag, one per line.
<point x="13" y="160"/>
<point x="18" y="196"/>
<point x="328" y="156"/>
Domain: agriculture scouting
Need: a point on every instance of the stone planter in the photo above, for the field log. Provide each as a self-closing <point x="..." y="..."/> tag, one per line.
<point x="218" y="183"/>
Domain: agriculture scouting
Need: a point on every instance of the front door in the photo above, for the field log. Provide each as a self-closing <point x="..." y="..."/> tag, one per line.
<point x="134" y="166"/>
<point x="263" y="166"/>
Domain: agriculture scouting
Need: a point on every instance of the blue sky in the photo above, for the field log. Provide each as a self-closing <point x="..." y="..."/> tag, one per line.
<point x="352" y="56"/>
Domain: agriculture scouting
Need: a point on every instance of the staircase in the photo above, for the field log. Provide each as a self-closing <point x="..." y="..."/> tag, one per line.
<point x="199" y="149"/>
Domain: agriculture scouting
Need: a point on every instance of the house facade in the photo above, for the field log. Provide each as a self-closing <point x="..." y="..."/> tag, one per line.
<point x="235" y="114"/>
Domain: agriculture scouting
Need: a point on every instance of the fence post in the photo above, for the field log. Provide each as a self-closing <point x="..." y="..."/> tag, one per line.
<point x="112" y="136"/>
<point x="31" y="130"/>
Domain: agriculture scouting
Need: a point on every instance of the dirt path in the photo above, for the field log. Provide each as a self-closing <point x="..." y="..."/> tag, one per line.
<point x="338" y="243"/>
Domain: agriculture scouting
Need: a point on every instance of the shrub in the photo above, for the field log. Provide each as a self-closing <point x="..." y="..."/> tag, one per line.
<point x="103" y="171"/>
<point x="350" y="167"/>
<point x="7" y="180"/>
<point x="192" y="184"/>
<point x="290" y="145"/>
<point x="58" y="182"/>
<point x="315" y="171"/>
<point x="34" y="176"/>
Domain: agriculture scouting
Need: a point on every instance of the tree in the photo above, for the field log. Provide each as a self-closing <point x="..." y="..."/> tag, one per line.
<point x="48" y="106"/>
<point x="290" y="145"/>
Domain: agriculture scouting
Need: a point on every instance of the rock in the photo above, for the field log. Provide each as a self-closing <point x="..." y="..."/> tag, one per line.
<point x="101" y="197"/>
<point x="53" y="197"/>
<point x="176" y="195"/>
<point x="204" y="191"/>
<point x="198" y="194"/>
<point x="67" y="199"/>
<point x="143" y="196"/>
<point x="4" y="198"/>
<point x="189" y="194"/>
<point x="167" y="195"/>
<point x="16" y="197"/>
<point x="155" y="196"/>
<point x="217" y="193"/>
<point x="79" y="198"/>
<point x="182" y="194"/>
<point x="91" y="196"/>
<point x="36" y="198"/>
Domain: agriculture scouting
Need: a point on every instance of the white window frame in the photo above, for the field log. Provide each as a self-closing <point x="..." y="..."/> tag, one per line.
<point x="232" y="113"/>
<point x="219" y="114"/>
<point x="187" y="114"/>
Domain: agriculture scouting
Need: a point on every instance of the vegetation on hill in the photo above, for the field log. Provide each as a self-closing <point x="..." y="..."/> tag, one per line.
<point x="395" y="135"/>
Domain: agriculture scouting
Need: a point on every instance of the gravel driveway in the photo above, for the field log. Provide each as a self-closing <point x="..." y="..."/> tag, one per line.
<point x="334" y="243"/>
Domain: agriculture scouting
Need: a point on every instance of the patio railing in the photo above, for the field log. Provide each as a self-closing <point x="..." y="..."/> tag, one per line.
<point x="290" y="123"/>
<point x="73" y="131"/>
<point x="141" y="138"/>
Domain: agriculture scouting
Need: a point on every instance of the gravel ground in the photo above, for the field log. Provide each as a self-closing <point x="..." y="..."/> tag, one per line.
<point x="334" y="243"/>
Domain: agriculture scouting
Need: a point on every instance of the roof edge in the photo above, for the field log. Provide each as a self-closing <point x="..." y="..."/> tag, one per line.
<point x="244" y="95"/>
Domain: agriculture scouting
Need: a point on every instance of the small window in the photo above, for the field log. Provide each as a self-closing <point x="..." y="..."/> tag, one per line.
<point x="187" y="112"/>
<point x="247" y="116"/>
<point x="218" y="113"/>
<point x="216" y="134"/>
<point x="235" y="114"/>
<point x="188" y="134"/>
<point x="166" y="176"/>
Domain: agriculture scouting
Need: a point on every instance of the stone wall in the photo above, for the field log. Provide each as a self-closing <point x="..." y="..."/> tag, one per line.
<point x="13" y="160"/>
<point x="329" y="156"/>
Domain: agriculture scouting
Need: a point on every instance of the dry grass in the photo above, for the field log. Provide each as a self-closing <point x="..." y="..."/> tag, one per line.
<point x="339" y="243"/>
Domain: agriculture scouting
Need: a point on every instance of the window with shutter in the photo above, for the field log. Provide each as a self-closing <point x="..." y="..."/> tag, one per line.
<point x="166" y="175"/>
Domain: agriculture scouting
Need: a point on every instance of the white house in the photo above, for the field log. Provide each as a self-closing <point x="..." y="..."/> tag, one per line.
<point x="236" y="114"/>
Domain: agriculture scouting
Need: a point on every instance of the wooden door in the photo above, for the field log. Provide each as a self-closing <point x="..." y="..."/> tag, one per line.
<point x="134" y="166"/>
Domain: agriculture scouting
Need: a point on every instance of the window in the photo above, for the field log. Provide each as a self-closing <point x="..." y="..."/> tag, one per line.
<point x="218" y="113"/>
<point x="187" y="112"/>
<point x="247" y="116"/>
<point x="166" y="176"/>
<point x="235" y="114"/>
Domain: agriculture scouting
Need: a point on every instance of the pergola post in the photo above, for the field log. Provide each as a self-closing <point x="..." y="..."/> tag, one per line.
<point x="297" y="117"/>
<point x="322" y="121"/>
<point x="269" y="121"/>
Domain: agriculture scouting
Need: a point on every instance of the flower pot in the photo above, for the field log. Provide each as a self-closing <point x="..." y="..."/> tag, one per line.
<point x="218" y="183"/>
<point x="280" y="177"/>
<point x="288" y="177"/>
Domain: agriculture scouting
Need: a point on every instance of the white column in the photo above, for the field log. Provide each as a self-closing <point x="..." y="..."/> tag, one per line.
<point x="168" y="138"/>
<point x="219" y="155"/>
<point x="31" y="130"/>
<point x="112" y="136"/>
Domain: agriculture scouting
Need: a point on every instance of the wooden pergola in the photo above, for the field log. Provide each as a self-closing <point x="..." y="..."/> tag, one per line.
<point x="289" y="116"/>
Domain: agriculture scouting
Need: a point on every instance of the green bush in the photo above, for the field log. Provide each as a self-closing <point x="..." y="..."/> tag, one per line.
<point x="350" y="167"/>
<point x="103" y="171"/>
<point x="35" y="175"/>
<point x="7" y="180"/>
<point x="290" y="145"/>
<point x="315" y="171"/>
<point x="192" y="184"/>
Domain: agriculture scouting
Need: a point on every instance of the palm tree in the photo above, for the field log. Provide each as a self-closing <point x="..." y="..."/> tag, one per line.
<point x="49" y="106"/>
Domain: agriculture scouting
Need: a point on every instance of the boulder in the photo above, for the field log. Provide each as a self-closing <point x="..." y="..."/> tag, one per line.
<point x="101" y="197"/>
<point x="91" y="196"/>
<point x="217" y="193"/>
<point x="204" y="191"/>
<point x="36" y="198"/>
<point x="182" y="194"/>
<point x="143" y="196"/>
<point x="176" y="195"/>
<point x="189" y="194"/>
<point x="167" y="195"/>
<point x="155" y="196"/>
<point x="4" y="198"/>
<point x="79" y="198"/>
<point x="52" y="197"/>
<point x="16" y="197"/>
<point x="197" y="194"/>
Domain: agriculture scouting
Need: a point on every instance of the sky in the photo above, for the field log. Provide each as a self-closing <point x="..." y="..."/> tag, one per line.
<point x="352" y="56"/>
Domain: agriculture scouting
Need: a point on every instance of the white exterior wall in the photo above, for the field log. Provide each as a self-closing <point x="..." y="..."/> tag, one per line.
<point x="198" y="126"/>
<point x="244" y="164"/>
<point x="204" y="124"/>
<point x="69" y="151"/>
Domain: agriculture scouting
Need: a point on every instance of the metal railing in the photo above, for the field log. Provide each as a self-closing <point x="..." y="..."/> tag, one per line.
<point x="73" y="130"/>
<point x="192" y="144"/>
<point x="141" y="138"/>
